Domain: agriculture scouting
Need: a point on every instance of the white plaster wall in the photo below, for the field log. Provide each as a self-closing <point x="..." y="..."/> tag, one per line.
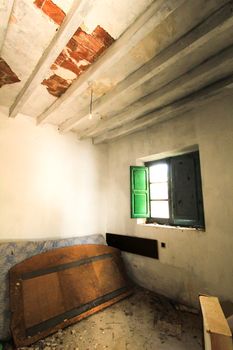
<point x="51" y="185"/>
<point x="193" y="261"/>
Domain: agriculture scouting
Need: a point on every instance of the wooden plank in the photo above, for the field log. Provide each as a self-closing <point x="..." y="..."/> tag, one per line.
<point x="220" y="342"/>
<point x="77" y="314"/>
<point x="217" y="333"/>
<point x="230" y="322"/>
<point x="214" y="319"/>
<point x="6" y="7"/>
<point x="215" y="24"/>
<point x="211" y="70"/>
<point x="174" y="109"/>
<point x="69" y="26"/>
<point x="55" y="289"/>
<point x="152" y="17"/>
<point x="44" y="303"/>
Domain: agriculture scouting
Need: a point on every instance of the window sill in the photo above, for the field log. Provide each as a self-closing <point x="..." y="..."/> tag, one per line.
<point x="182" y="228"/>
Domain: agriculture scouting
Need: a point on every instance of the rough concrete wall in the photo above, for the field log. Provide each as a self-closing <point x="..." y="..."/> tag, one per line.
<point x="50" y="185"/>
<point x="193" y="261"/>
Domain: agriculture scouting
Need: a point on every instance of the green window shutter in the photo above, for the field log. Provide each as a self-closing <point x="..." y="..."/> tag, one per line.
<point x="139" y="192"/>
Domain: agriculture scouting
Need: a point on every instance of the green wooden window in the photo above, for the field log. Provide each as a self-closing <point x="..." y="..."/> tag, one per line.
<point x="139" y="192"/>
<point x="172" y="187"/>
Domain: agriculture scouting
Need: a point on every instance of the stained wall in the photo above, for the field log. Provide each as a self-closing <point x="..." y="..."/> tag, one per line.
<point x="193" y="261"/>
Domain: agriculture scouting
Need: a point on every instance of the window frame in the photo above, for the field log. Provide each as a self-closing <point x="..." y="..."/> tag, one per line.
<point x="198" y="224"/>
<point x="163" y="221"/>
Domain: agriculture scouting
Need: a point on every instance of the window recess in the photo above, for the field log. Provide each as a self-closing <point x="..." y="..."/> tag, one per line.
<point x="168" y="191"/>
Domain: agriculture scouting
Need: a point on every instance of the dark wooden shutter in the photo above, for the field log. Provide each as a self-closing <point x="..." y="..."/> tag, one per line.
<point x="139" y="192"/>
<point x="186" y="201"/>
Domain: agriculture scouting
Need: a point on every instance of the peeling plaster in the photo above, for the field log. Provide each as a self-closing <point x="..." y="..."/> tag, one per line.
<point x="80" y="52"/>
<point x="65" y="73"/>
<point x="64" y="5"/>
<point x="52" y="10"/>
<point x="56" y="85"/>
<point x="31" y="30"/>
<point x="26" y="39"/>
<point x="7" y="76"/>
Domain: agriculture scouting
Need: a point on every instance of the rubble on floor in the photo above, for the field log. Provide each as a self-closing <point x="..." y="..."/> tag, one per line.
<point x="143" y="321"/>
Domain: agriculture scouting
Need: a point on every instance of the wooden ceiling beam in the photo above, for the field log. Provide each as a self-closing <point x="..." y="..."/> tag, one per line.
<point x="206" y="73"/>
<point x="69" y="26"/>
<point x="213" y="26"/>
<point x="180" y="107"/>
<point x="5" y="13"/>
<point x="157" y="12"/>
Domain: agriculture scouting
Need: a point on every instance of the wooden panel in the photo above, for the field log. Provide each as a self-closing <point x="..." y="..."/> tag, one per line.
<point x="136" y="245"/>
<point x="139" y="192"/>
<point x="217" y="333"/>
<point x="55" y="289"/>
<point x="44" y="304"/>
<point x="184" y="188"/>
<point x="220" y="342"/>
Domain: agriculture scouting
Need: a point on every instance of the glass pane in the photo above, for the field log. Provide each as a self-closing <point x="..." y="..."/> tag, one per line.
<point x="159" y="190"/>
<point x="160" y="209"/>
<point x="158" y="172"/>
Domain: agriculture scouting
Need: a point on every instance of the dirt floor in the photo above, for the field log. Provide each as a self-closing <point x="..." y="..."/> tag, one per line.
<point x="144" y="321"/>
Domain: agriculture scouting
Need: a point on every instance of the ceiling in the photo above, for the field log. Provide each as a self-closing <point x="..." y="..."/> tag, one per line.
<point x="107" y="68"/>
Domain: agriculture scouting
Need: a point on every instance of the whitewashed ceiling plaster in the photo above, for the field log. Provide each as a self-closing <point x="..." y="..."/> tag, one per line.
<point x="144" y="61"/>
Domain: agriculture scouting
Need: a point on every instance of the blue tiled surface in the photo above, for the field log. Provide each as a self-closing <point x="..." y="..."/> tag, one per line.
<point x="12" y="253"/>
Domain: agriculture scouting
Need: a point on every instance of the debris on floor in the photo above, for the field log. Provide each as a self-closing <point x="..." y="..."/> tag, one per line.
<point x="143" y="321"/>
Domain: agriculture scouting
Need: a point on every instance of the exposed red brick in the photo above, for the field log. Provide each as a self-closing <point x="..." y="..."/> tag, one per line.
<point x="80" y="52"/>
<point x="39" y="3"/>
<point x="51" y="10"/>
<point x="7" y="76"/>
<point x="56" y="85"/>
<point x="66" y="62"/>
<point x="100" y="34"/>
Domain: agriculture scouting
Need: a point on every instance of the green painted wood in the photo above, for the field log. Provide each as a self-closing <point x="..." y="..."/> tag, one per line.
<point x="139" y="192"/>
